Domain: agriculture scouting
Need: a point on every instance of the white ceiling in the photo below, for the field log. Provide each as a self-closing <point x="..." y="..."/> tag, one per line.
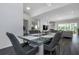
<point x="40" y="8"/>
<point x="56" y="12"/>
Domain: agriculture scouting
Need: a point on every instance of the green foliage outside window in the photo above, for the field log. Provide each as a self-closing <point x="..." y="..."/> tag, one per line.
<point x="68" y="27"/>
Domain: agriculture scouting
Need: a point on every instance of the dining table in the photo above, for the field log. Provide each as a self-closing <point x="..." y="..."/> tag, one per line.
<point x="38" y="40"/>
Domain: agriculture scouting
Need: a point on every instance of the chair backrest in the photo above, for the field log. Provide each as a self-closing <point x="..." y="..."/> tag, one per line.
<point x="17" y="47"/>
<point x="55" y="40"/>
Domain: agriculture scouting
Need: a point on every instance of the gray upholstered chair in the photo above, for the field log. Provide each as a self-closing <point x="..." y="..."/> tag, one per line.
<point x="26" y="50"/>
<point x="54" y="43"/>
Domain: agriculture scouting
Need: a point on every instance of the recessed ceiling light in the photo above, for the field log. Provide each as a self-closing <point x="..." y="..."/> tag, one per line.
<point x="28" y="8"/>
<point x="56" y="15"/>
<point x="72" y="12"/>
<point x="49" y="4"/>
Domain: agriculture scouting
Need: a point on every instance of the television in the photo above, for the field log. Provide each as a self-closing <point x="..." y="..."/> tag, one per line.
<point x="45" y="27"/>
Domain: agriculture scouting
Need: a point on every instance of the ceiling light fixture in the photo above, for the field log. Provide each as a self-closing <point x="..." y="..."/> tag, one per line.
<point x="28" y="8"/>
<point x="49" y="4"/>
<point x="72" y="12"/>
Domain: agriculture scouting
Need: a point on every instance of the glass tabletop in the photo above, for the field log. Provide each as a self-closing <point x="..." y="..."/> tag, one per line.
<point x="38" y="39"/>
<point x="41" y="40"/>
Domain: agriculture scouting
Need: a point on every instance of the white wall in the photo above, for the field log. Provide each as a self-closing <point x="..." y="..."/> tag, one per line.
<point x="43" y="21"/>
<point x="11" y="20"/>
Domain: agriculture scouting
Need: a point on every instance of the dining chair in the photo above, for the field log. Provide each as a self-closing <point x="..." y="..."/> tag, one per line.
<point x="26" y="50"/>
<point x="54" y="43"/>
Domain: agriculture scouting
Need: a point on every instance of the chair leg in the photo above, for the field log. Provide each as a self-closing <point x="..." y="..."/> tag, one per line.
<point x="25" y="43"/>
<point x="58" y="50"/>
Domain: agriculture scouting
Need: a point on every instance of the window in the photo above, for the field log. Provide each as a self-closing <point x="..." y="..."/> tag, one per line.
<point x="67" y="27"/>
